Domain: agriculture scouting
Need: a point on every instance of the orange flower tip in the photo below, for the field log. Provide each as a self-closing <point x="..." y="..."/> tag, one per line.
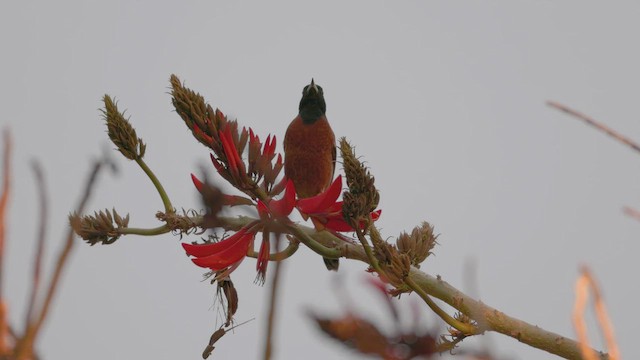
<point x="198" y="184"/>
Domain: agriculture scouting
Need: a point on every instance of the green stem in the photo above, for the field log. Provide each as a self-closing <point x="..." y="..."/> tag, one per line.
<point x="281" y="255"/>
<point x="466" y="329"/>
<point x="145" y="232"/>
<point x="312" y="244"/>
<point x="168" y="208"/>
<point x="367" y="250"/>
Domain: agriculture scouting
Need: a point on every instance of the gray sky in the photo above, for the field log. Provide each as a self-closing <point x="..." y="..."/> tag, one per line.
<point x="444" y="100"/>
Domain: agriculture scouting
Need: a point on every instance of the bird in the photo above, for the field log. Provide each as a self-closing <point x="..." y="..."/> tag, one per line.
<point x="310" y="149"/>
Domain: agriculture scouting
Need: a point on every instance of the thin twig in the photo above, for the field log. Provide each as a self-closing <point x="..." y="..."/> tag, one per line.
<point x="583" y="284"/>
<point x="42" y="231"/>
<point x="273" y="303"/>
<point x="4" y="199"/>
<point x="168" y="208"/>
<point x="614" y="134"/>
<point x="25" y="347"/>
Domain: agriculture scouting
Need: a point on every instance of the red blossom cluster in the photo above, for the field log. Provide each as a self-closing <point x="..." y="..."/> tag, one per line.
<point x="324" y="209"/>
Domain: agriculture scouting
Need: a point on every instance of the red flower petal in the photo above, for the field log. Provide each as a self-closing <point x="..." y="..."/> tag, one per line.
<point x="199" y="133"/>
<point x="263" y="209"/>
<point x="322" y="201"/>
<point x="229" y="149"/>
<point x="197" y="182"/>
<point x="284" y="206"/>
<point x="267" y="145"/>
<point x="216" y="163"/>
<point x="200" y="250"/>
<point x="227" y="257"/>
<point x="337" y="223"/>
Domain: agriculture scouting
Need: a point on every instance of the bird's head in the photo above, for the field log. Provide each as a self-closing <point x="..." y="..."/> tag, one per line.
<point x="312" y="104"/>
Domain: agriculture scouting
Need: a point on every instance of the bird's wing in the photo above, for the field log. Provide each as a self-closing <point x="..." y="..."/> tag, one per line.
<point x="333" y="155"/>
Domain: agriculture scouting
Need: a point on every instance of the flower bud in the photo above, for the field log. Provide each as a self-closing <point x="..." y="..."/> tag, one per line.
<point x="120" y="131"/>
<point x="362" y="197"/>
<point x="418" y="244"/>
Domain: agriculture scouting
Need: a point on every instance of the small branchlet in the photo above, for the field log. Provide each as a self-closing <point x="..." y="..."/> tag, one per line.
<point x="362" y="197"/>
<point x="99" y="227"/>
<point x="180" y="224"/>
<point x="418" y="244"/>
<point x="120" y="131"/>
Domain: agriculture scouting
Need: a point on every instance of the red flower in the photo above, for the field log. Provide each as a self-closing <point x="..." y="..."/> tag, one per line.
<point x="326" y="212"/>
<point x="230" y="200"/>
<point x="279" y="208"/>
<point x="235" y="163"/>
<point x="224" y="254"/>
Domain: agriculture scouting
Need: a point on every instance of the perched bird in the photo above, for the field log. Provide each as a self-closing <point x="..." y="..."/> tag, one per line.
<point x="310" y="149"/>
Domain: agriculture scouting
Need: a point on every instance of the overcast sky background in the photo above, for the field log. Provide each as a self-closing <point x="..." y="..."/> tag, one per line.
<point x="444" y="100"/>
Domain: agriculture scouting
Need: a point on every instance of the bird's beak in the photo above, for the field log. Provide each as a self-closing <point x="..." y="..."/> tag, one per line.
<point x="313" y="86"/>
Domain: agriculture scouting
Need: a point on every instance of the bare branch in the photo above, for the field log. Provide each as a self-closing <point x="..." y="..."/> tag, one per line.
<point x="42" y="230"/>
<point x="629" y="211"/>
<point x="4" y="199"/>
<point x="24" y="349"/>
<point x="583" y="284"/>
<point x="614" y="134"/>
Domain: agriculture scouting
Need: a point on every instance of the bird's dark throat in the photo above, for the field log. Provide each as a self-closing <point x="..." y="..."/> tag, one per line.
<point x="310" y="115"/>
<point x="311" y="109"/>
